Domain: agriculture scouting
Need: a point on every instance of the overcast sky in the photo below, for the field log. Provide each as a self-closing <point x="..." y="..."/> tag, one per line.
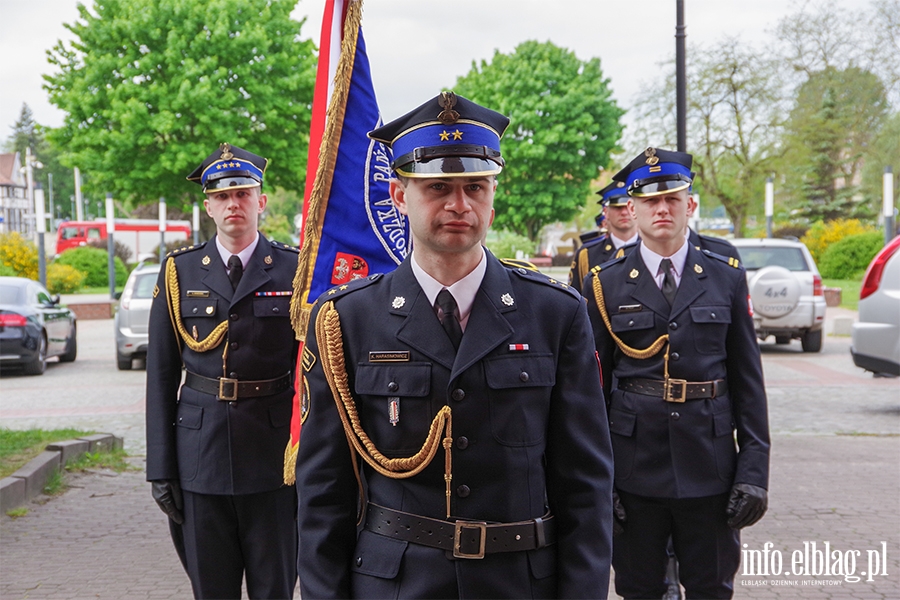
<point x="416" y="47"/>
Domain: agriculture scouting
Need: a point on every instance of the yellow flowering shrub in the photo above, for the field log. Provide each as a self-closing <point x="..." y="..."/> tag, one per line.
<point x="64" y="279"/>
<point x="821" y="235"/>
<point x="19" y="255"/>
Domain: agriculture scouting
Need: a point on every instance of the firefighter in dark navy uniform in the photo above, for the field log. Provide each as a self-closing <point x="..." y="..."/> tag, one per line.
<point x="621" y="231"/>
<point x="461" y="393"/>
<point x="215" y="445"/>
<point x="682" y="374"/>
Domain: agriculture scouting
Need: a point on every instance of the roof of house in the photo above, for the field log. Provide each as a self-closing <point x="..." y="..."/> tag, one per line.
<point x="9" y="170"/>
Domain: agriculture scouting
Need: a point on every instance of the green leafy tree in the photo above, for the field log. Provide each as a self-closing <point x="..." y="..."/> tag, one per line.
<point x="27" y="133"/>
<point x="149" y="87"/>
<point x="563" y="126"/>
<point x="277" y="222"/>
<point x="837" y="115"/>
<point x="734" y="122"/>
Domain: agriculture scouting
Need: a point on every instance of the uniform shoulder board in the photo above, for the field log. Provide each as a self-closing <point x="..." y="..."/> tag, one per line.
<point x="728" y="260"/>
<point x="351" y="286"/>
<point x="545" y="279"/>
<point x="185" y="249"/>
<point x="609" y="263"/>
<point x="514" y="263"/>
<point x="283" y="246"/>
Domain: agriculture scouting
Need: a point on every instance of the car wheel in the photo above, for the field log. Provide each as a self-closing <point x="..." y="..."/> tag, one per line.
<point x="39" y="364"/>
<point x="71" y="346"/>
<point x="782" y="339"/>
<point x="811" y="340"/>
<point x="123" y="362"/>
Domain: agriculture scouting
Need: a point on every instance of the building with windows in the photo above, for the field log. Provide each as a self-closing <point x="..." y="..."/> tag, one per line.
<point x="15" y="213"/>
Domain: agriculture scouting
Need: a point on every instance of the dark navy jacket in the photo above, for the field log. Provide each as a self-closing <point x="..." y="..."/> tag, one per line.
<point x="682" y="450"/>
<point x="213" y="446"/>
<point x="529" y="428"/>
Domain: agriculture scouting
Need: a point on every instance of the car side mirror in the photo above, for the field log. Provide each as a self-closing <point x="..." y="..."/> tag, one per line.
<point x="117" y="295"/>
<point x="54" y="299"/>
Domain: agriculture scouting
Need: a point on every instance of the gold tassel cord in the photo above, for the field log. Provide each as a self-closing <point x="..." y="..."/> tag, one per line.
<point x="173" y="295"/>
<point x="651" y="350"/>
<point x="318" y="197"/>
<point x="328" y="334"/>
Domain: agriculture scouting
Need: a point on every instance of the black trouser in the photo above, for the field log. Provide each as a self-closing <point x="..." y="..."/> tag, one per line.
<point x="224" y="537"/>
<point x="708" y="550"/>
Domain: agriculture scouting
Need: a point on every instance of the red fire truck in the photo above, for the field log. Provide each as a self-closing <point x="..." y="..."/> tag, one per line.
<point x="140" y="235"/>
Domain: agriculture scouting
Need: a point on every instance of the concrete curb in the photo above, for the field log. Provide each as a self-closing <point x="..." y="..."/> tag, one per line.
<point x="29" y="481"/>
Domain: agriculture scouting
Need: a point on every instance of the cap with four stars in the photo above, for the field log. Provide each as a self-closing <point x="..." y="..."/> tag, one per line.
<point x="230" y="167"/>
<point x="656" y="171"/>
<point x="448" y="136"/>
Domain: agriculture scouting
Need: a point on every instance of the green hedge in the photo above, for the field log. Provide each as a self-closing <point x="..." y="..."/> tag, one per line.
<point x="94" y="263"/>
<point x="849" y="257"/>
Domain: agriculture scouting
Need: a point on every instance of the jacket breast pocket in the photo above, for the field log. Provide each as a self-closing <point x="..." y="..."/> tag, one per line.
<point x="711" y="328"/>
<point x="625" y="322"/>
<point x="400" y="392"/>
<point x="272" y="306"/>
<point x="520" y="389"/>
<point x="375" y="566"/>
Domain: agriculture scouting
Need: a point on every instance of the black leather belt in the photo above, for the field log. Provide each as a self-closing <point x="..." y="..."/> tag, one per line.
<point x="466" y="539"/>
<point x="677" y="390"/>
<point x="230" y="390"/>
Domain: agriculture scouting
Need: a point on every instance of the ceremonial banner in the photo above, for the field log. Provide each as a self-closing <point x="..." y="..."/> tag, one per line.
<point x="350" y="226"/>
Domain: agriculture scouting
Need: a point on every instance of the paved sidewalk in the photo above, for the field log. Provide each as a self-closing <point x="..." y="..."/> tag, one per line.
<point x="105" y="538"/>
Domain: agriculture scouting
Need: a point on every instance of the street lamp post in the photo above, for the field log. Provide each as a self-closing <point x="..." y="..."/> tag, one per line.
<point x="111" y="244"/>
<point x="888" y="204"/>
<point x="195" y="213"/>
<point x="40" y="221"/>
<point x="680" y="78"/>
<point x="162" y="229"/>
<point x="770" y="205"/>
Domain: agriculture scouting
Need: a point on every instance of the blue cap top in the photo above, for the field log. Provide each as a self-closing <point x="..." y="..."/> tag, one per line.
<point x="230" y="167"/>
<point x="657" y="171"/>
<point x="614" y="194"/>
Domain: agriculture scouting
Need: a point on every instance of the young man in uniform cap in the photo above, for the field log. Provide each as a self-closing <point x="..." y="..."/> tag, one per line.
<point x="621" y="231"/>
<point x="215" y="447"/>
<point x="465" y="393"/>
<point x="682" y="372"/>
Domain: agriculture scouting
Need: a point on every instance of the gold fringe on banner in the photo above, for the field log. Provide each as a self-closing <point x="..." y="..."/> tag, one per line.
<point x="318" y="197"/>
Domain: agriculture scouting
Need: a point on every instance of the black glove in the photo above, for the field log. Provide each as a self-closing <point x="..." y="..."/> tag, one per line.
<point x="746" y="505"/>
<point x="618" y="515"/>
<point x="167" y="493"/>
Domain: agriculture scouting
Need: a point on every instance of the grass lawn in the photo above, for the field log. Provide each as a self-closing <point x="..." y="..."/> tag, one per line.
<point x="18" y="447"/>
<point x="849" y="291"/>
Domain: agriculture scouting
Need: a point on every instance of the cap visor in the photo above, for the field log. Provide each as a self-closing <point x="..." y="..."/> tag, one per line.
<point x="232" y="183"/>
<point x="450" y="166"/>
<point x="657" y="188"/>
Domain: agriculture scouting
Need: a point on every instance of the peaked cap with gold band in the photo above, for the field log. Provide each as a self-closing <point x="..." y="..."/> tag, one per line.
<point x="448" y="136"/>
<point x="230" y="167"/>
<point x="614" y="194"/>
<point x="656" y="171"/>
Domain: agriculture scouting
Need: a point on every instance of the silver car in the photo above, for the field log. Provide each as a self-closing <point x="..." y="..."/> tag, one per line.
<point x="785" y="290"/>
<point x="876" y="335"/>
<point x="133" y="315"/>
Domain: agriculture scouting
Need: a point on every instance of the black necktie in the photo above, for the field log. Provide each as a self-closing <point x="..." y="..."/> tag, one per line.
<point x="449" y="322"/>
<point x="235" y="270"/>
<point x="668" y="287"/>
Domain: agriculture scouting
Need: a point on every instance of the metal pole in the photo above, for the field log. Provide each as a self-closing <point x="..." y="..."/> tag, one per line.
<point x="770" y="205"/>
<point x="888" y="204"/>
<point x="680" y="84"/>
<point x="196" y="222"/>
<point x="79" y="209"/>
<point x="50" y="192"/>
<point x="162" y="229"/>
<point x="37" y="205"/>
<point x="111" y="244"/>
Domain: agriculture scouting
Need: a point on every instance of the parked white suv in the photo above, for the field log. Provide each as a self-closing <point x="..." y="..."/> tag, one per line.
<point x="785" y="290"/>
<point x="133" y="315"/>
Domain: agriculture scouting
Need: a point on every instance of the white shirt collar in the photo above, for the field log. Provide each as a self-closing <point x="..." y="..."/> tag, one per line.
<point x="463" y="290"/>
<point x="619" y="243"/>
<point x="652" y="259"/>
<point x="244" y="254"/>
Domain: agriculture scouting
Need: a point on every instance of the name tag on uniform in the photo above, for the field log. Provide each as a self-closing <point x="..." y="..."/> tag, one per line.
<point x="198" y="293"/>
<point x="389" y="356"/>
<point x="629" y="308"/>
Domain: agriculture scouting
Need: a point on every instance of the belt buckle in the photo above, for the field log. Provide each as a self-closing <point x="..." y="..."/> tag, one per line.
<point x="223" y="381"/>
<point x="669" y="385"/>
<point x="457" y="529"/>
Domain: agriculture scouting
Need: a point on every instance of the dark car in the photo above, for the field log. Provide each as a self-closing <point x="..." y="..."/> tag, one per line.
<point x="33" y="326"/>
